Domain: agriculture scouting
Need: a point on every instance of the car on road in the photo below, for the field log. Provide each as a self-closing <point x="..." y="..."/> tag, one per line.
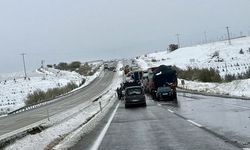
<point x="164" y="93"/>
<point x="134" y="96"/>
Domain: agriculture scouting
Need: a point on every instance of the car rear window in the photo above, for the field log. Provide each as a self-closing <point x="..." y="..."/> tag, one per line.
<point x="134" y="91"/>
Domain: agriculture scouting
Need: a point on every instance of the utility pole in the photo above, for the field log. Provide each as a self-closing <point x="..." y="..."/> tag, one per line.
<point x="228" y="36"/>
<point x="42" y="63"/>
<point x="241" y="33"/>
<point x="24" y="67"/>
<point x="178" y="39"/>
<point x="205" y="36"/>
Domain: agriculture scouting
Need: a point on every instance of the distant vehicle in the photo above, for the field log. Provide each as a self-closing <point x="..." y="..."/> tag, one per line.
<point x="134" y="95"/>
<point x="106" y="66"/>
<point x="164" y="93"/>
<point x="111" y="68"/>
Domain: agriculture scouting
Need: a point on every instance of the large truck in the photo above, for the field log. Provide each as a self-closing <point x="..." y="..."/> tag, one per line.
<point x="148" y="82"/>
<point x="162" y="76"/>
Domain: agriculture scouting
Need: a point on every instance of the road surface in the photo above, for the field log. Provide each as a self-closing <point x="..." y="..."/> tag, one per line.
<point x="196" y="122"/>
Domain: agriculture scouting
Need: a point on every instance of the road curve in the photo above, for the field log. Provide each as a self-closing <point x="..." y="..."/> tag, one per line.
<point x="16" y="121"/>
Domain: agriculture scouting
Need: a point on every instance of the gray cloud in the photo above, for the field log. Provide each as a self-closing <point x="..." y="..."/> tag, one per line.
<point x="63" y="30"/>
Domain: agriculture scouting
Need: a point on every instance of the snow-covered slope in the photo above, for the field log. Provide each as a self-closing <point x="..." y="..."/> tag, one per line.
<point x="219" y="55"/>
<point x="14" y="88"/>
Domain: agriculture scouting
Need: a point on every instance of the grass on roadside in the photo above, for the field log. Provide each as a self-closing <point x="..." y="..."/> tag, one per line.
<point x="42" y="96"/>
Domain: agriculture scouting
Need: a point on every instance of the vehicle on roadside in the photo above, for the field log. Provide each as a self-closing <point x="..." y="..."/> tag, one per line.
<point x="162" y="76"/>
<point x="134" y="96"/>
<point x="164" y="93"/>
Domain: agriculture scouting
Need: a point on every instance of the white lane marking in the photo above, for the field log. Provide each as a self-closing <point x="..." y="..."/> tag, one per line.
<point x="170" y="111"/>
<point x="104" y="130"/>
<point x="198" y="125"/>
<point x="246" y="148"/>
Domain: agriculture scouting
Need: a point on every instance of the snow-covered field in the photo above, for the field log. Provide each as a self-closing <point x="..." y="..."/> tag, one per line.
<point x="14" y="88"/>
<point x="73" y="127"/>
<point x="228" y="59"/>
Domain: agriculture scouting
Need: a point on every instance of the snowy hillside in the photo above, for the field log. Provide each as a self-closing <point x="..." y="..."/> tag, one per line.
<point x="14" y="88"/>
<point x="228" y="59"/>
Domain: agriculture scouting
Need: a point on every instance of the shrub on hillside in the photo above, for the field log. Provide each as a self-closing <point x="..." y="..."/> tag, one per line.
<point x="49" y="66"/>
<point x="229" y="78"/>
<point x="241" y="51"/>
<point x="173" y="47"/>
<point x="203" y="75"/>
<point x="85" y="69"/>
<point x="62" y="66"/>
<point x="153" y="60"/>
<point x="209" y="75"/>
<point x="74" y="65"/>
<point x="247" y="74"/>
<point x="37" y="96"/>
<point x="216" y="54"/>
<point x="41" y="96"/>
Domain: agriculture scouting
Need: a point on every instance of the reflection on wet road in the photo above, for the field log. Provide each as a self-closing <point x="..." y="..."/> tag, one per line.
<point x="227" y="117"/>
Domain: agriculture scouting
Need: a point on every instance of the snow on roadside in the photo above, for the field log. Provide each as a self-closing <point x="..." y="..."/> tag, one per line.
<point x="143" y="64"/>
<point x="234" y="88"/>
<point x="81" y="114"/>
<point x="14" y="88"/>
<point x="229" y="60"/>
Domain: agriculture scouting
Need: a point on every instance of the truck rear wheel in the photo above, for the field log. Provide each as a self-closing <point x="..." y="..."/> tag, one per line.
<point x="174" y="96"/>
<point x="126" y="105"/>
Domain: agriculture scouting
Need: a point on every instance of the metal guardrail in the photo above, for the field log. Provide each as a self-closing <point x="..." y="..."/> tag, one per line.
<point x="36" y="127"/>
<point x="180" y="89"/>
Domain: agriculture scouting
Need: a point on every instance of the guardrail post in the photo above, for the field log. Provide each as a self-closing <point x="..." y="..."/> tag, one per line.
<point x="48" y="114"/>
<point x="100" y="104"/>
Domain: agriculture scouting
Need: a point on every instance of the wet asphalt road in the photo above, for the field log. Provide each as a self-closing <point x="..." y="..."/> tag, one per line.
<point x="222" y="124"/>
<point x="225" y="116"/>
<point x="16" y="121"/>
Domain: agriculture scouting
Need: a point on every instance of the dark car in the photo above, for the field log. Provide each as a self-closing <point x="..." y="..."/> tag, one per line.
<point x="134" y="95"/>
<point x="164" y="93"/>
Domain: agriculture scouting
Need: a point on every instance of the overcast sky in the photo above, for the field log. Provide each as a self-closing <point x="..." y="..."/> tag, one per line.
<point x="67" y="30"/>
